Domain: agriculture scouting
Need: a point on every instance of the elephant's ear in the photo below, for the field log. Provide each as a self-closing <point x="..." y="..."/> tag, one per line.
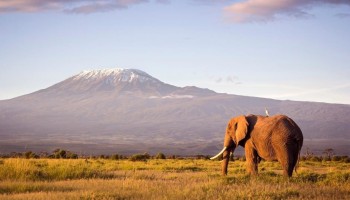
<point x="241" y="128"/>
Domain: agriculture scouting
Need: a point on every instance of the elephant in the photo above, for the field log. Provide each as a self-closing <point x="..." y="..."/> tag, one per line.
<point x="270" y="138"/>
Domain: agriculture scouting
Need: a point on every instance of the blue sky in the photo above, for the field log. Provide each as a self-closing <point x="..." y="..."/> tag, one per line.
<point x="296" y="50"/>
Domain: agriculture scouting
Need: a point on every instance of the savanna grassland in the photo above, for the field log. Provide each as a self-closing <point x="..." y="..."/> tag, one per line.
<point x="167" y="179"/>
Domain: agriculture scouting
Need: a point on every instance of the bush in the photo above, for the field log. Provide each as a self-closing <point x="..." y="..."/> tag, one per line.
<point x="72" y="155"/>
<point x="326" y="159"/>
<point x="336" y="158"/>
<point x="30" y="154"/>
<point x="303" y="158"/>
<point x="59" y="153"/>
<point x="202" y="157"/>
<point x="160" y="156"/>
<point x="345" y="159"/>
<point x="315" y="159"/>
<point x="173" y="157"/>
<point x="115" y="157"/>
<point x="140" y="157"/>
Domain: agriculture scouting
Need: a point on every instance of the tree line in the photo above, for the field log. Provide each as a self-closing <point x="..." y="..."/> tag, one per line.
<point x="66" y="154"/>
<point x="328" y="155"/>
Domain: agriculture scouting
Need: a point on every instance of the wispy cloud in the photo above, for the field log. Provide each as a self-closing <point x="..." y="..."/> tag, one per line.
<point x="343" y="15"/>
<point x="268" y="10"/>
<point x="163" y="1"/>
<point x="228" y="80"/>
<point x="208" y="2"/>
<point x="69" y="6"/>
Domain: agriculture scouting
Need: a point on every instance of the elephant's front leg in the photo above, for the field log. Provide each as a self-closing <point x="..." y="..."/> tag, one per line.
<point x="251" y="158"/>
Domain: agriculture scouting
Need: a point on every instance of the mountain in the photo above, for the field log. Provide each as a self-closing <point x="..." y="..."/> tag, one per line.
<point x="128" y="111"/>
<point x="113" y="80"/>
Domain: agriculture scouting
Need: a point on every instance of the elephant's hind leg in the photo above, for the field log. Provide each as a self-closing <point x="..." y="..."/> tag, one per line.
<point x="288" y="162"/>
<point x="283" y="158"/>
<point x="293" y="153"/>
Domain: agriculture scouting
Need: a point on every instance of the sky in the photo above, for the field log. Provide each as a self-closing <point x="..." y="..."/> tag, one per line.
<point x="286" y="49"/>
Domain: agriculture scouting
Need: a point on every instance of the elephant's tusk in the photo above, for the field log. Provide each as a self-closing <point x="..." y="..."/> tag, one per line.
<point x="219" y="154"/>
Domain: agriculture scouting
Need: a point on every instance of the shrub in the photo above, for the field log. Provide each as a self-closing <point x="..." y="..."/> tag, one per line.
<point x="72" y="155"/>
<point x="160" y="156"/>
<point x="140" y="157"/>
<point x="345" y="159"/>
<point x="326" y="159"/>
<point x="15" y="155"/>
<point x="172" y="157"/>
<point x="59" y="153"/>
<point x="336" y="158"/>
<point x="115" y="157"/>
<point x="303" y="158"/>
<point x="315" y="159"/>
<point x="30" y="154"/>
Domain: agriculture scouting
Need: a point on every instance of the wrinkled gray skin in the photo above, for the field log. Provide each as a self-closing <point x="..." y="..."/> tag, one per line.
<point x="270" y="138"/>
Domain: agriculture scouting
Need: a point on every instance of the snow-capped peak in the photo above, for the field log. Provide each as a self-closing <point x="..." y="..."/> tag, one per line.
<point x="116" y="75"/>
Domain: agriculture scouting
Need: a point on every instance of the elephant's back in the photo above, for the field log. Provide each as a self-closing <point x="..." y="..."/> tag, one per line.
<point x="287" y="130"/>
<point x="276" y="135"/>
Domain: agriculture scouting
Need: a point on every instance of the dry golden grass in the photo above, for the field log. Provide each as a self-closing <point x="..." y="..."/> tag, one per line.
<point x="167" y="179"/>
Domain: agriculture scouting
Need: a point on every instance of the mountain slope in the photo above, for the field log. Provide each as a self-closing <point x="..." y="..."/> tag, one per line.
<point x="128" y="111"/>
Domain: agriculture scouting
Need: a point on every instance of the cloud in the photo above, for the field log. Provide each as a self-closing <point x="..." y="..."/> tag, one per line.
<point x="103" y="6"/>
<point x="218" y="80"/>
<point x="68" y="6"/>
<point x="28" y="5"/>
<point x="228" y="80"/>
<point x="163" y="1"/>
<point x="268" y="10"/>
<point x="343" y="15"/>
<point x="207" y="2"/>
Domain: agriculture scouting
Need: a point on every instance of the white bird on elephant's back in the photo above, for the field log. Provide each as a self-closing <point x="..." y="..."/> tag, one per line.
<point x="267" y="112"/>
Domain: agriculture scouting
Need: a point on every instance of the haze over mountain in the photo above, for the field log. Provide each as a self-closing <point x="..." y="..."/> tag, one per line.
<point x="128" y="111"/>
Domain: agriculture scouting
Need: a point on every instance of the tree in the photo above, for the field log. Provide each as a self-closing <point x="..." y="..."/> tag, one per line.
<point x="308" y="153"/>
<point x="328" y="153"/>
